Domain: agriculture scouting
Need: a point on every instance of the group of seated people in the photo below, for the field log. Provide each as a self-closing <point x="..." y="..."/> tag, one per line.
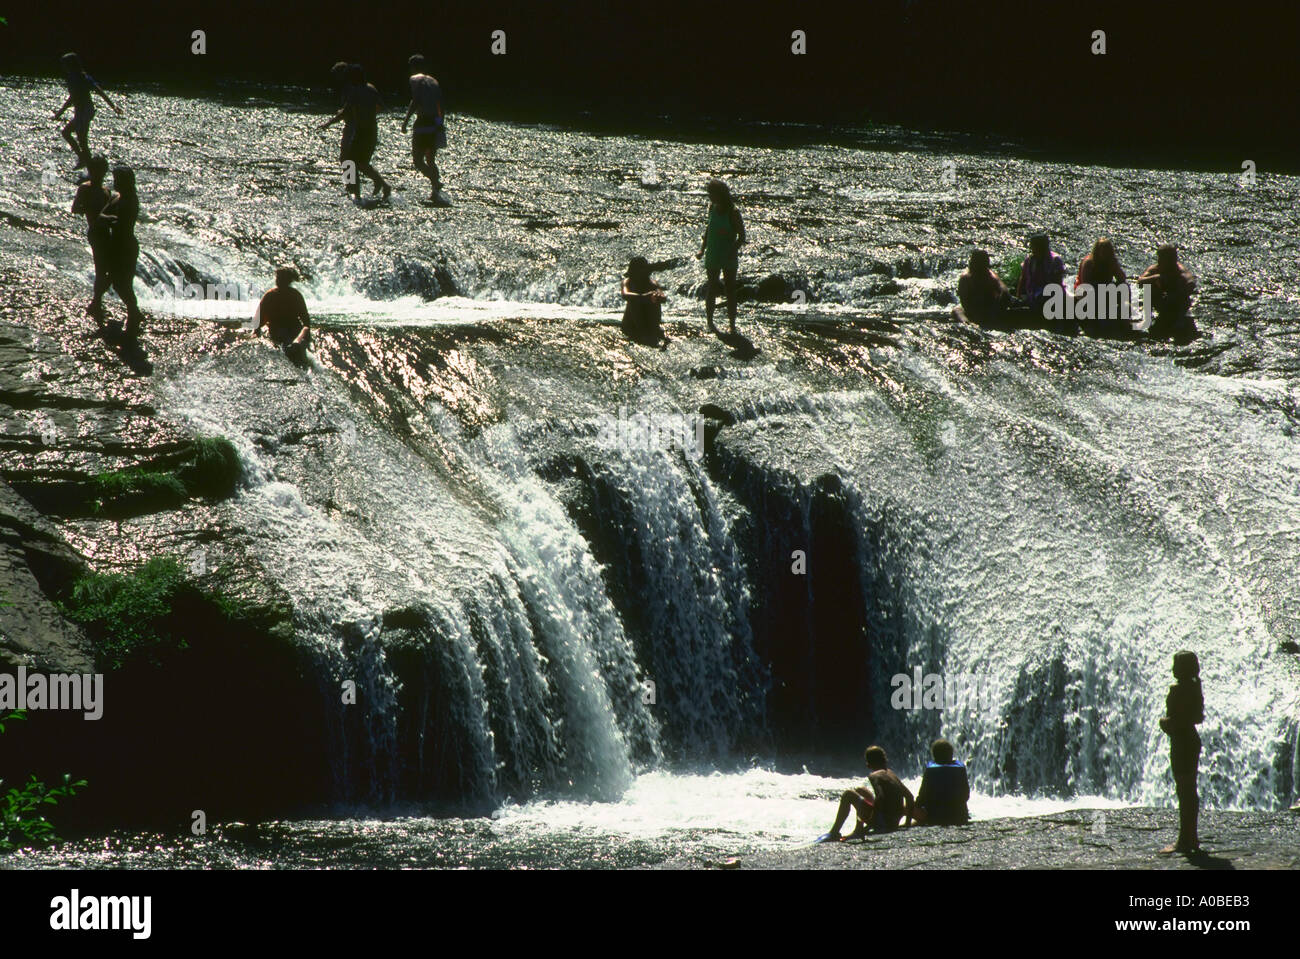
<point x="885" y="801"/>
<point x="985" y="298"/>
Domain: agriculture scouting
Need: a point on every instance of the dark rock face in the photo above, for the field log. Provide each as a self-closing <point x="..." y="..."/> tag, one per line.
<point x="232" y="722"/>
<point x="34" y="560"/>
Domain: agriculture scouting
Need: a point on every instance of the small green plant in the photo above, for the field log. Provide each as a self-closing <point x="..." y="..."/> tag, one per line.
<point x="136" y="485"/>
<point x="147" y="613"/>
<point x="130" y="613"/>
<point x="22" y="822"/>
<point x="215" y="469"/>
<point x="1010" y="271"/>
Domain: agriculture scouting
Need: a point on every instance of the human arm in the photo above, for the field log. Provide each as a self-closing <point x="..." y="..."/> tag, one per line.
<point x="63" y="109"/>
<point x="739" y="225"/>
<point x="304" y="318"/>
<point x="909" y="801"/>
<point x="334" y="119"/>
<point x="410" y="108"/>
<point x="100" y="91"/>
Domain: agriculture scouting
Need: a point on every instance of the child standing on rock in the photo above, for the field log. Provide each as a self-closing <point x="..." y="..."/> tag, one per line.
<point x="1184" y="708"/>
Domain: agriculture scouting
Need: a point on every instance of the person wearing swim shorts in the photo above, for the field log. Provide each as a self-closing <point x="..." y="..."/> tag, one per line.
<point x="429" y="132"/>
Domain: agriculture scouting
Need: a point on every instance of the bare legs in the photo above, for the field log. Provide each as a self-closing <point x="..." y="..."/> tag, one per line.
<point x="426" y="161"/>
<point x="710" y="296"/>
<point x="858" y="800"/>
<point x="78" y="142"/>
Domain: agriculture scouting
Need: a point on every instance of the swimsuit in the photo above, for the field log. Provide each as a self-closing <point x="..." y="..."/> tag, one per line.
<point x="720" y="242"/>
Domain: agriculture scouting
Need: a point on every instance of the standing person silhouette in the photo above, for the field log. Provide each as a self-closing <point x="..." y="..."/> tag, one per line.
<point x="1184" y="709"/>
<point x="429" y="133"/>
<point x="92" y="201"/>
<point x="123" y="249"/>
<point x="80" y="87"/>
<point x="361" y="103"/>
<point x="724" y="234"/>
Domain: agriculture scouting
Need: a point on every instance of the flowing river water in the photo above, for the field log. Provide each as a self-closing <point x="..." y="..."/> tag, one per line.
<point x="614" y="660"/>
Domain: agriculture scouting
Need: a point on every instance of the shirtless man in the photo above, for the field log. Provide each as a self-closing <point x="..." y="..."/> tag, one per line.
<point x="429" y="133"/>
<point x="879" y="812"/>
<point x="283" y="313"/>
<point x="982" y="293"/>
<point x="1172" y="287"/>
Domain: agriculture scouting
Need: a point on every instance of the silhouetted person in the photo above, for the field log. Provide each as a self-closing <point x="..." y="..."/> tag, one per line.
<point x="124" y="250"/>
<point x="945" y="789"/>
<point x="429" y="133"/>
<point x="1171" y="295"/>
<point x="643" y="312"/>
<point x="282" y="312"/>
<point x="1039" y="271"/>
<point x="1184" y="709"/>
<point x="878" y="812"/>
<point x="92" y="200"/>
<point x="80" y="87"/>
<point x="983" y="295"/>
<point x="359" y="113"/>
<point x="1100" y="268"/>
<point x="724" y="235"/>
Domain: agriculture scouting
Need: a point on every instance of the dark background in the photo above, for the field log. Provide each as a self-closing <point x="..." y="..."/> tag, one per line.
<point x="1196" y="81"/>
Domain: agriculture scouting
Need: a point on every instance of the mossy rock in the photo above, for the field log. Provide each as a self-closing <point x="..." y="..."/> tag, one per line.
<point x="215" y="469"/>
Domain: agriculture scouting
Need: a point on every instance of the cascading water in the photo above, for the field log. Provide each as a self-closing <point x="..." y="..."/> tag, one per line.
<point x="526" y="612"/>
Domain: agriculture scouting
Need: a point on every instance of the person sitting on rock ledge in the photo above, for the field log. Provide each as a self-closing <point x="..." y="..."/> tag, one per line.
<point x="983" y="295"/>
<point x="643" y="314"/>
<point x="1172" y="288"/>
<point x="880" y="812"/>
<point x="945" y="789"/>
<point x="1041" y="270"/>
<point x="283" y="312"/>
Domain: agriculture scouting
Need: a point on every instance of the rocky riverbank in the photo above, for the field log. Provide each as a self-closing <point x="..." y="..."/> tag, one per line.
<point x="1079" y="839"/>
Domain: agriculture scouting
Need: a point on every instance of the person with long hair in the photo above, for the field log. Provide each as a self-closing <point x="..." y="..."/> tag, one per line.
<point x="643" y="312"/>
<point x="724" y="234"/>
<point x="123" y="249"/>
<point x="1100" y="268"/>
<point x="1184" y="709"/>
